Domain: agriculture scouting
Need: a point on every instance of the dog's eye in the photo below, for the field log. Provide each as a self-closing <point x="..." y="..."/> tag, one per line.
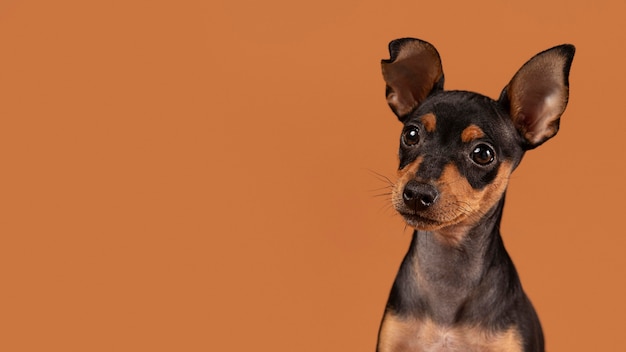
<point x="483" y="154"/>
<point x="411" y="136"/>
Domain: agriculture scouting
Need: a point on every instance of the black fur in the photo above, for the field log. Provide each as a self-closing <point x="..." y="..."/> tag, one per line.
<point x="469" y="281"/>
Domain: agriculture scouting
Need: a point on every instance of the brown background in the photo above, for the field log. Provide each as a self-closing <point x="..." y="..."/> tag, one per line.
<point x="199" y="176"/>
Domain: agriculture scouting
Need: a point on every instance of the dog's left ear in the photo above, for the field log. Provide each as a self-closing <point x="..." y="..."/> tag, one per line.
<point x="537" y="95"/>
<point x="412" y="73"/>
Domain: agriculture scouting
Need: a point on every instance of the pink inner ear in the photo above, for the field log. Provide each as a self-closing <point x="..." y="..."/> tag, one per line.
<point x="538" y="116"/>
<point x="411" y="74"/>
<point x="400" y="97"/>
<point x="538" y="94"/>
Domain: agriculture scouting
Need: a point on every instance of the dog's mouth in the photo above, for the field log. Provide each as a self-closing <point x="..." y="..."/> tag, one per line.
<point x="422" y="221"/>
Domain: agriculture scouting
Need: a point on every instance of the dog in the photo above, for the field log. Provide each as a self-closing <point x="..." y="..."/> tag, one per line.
<point x="457" y="288"/>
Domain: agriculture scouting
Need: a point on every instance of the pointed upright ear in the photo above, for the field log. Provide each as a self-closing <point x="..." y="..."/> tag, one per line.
<point x="538" y="93"/>
<point x="412" y="73"/>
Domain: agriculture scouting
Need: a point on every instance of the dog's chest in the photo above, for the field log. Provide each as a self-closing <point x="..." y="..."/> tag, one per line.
<point x="414" y="335"/>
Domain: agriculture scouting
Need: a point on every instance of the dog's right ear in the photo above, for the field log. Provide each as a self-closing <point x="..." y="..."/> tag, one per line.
<point x="412" y="73"/>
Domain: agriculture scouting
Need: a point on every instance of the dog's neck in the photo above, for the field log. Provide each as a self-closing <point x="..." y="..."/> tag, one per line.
<point x="459" y="263"/>
<point x="454" y="282"/>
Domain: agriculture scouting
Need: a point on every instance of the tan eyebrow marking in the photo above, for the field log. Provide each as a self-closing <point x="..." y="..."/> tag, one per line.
<point x="429" y="121"/>
<point x="471" y="132"/>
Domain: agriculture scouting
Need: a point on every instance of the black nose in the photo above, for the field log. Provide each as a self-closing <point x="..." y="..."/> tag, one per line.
<point x="418" y="195"/>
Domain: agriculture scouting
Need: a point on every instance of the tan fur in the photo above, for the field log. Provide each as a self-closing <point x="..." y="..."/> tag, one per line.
<point x="471" y="133"/>
<point x="429" y="121"/>
<point x="460" y="206"/>
<point x="414" y="335"/>
<point x="405" y="175"/>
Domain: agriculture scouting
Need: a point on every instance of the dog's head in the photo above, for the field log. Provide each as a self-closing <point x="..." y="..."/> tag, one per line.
<point x="457" y="148"/>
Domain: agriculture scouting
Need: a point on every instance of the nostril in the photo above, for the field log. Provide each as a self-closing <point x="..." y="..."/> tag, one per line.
<point x="408" y="194"/>
<point x="427" y="200"/>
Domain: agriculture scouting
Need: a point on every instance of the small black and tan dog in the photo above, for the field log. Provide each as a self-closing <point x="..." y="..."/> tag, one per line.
<point x="457" y="288"/>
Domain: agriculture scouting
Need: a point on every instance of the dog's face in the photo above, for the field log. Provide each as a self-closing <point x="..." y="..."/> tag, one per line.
<point x="458" y="149"/>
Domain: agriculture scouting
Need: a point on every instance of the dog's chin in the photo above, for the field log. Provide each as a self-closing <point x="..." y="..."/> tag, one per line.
<point x="423" y="223"/>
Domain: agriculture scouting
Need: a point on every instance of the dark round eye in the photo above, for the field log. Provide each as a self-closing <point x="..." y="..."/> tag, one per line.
<point x="411" y="136"/>
<point x="483" y="154"/>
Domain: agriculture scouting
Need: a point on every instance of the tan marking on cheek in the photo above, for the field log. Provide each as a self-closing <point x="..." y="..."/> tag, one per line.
<point x="429" y="121"/>
<point x="415" y="334"/>
<point x="461" y="206"/>
<point x="457" y="201"/>
<point x="471" y="133"/>
<point x="494" y="191"/>
<point x="453" y="184"/>
<point x="404" y="175"/>
<point x="408" y="172"/>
